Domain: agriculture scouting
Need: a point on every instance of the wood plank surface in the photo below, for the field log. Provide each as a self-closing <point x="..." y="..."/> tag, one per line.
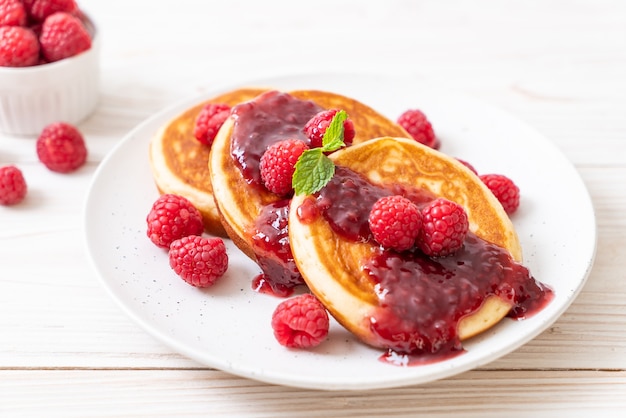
<point x="181" y="393"/>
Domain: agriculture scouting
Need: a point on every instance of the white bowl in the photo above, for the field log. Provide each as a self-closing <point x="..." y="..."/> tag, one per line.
<point x="66" y="90"/>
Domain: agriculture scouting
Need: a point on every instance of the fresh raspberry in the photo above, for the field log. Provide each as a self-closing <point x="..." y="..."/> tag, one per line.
<point x="39" y="10"/>
<point x="395" y="222"/>
<point x="416" y="123"/>
<point x="12" y="13"/>
<point x="209" y="121"/>
<point x="61" y="147"/>
<point x="504" y="189"/>
<point x="199" y="261"/>
<point x="173" y="217"/>
<point x="277" y="165"/>
<point x="12" y="185"/>
<point x="444" y="227"/>
<point x="63" y="36"/>
<point x="300" y="322"/>
<point x="19" y="47"/>
<point x="315" y="128"/>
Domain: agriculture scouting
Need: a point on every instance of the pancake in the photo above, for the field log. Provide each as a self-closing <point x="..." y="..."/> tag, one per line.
<point x="179" y="161"/>
<point x="240" y="199"/>
<point x="336" y="270"/>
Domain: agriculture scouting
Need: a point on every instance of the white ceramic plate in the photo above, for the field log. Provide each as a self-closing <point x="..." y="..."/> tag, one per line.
<point x="228" y="326"/>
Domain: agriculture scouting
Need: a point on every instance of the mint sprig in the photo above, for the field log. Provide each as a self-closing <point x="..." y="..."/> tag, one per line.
<point x="314" y="169"/>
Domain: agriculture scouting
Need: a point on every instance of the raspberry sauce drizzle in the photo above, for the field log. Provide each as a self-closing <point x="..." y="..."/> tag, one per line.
<point x="272" y="117"/>
<point x="273" y="253"/>
<point x="422" y="299"/>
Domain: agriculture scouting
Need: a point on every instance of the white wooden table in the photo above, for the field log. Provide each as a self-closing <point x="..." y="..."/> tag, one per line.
<point x="67" y="350"/>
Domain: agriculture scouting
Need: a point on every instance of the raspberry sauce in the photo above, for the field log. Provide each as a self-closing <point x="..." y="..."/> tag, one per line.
<point x="273" y="252"/>
<point x="270" y="118"/>
<point x="422" y="299"/>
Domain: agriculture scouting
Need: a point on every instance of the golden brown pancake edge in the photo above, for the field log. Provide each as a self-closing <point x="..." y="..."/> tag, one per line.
<point x="179" y="162"/>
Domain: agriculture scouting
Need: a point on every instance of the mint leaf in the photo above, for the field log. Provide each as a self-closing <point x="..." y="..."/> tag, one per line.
<point x="333" y="137"/>
<point x="313" y="171"/>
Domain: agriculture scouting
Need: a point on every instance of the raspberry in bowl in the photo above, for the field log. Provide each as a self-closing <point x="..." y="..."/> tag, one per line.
<point x="49" y="66"/>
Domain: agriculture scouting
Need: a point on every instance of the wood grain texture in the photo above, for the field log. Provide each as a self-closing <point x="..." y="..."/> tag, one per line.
<point x="182" y="393"/>
<point x="67" y="350"/>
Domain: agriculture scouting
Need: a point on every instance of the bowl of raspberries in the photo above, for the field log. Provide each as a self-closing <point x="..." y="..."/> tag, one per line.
<point x="49" y="64"/>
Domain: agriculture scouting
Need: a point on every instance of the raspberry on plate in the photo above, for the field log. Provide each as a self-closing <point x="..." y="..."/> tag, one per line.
<point x="444" y="227"/>
<point x="172" y="217"/>
<point x="61" y="147"/>
<point x="416" y="123"/>
<point x="395" y="222"/>
<point x="62" y="36"/>
<point x="12" y="185"/>
<point x="19" y="47"/>
<point x="199" y="261"/>
<point x="278" y="163"/>
<point x="209" y="121"/>
<point x="504" y="189"/>
<point x="315" y="128"/>
<point x="300" y="322"/>
<point x="12" y="13"/>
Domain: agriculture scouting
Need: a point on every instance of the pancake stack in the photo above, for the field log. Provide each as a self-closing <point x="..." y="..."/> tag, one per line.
<point x="351" y="278"/>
